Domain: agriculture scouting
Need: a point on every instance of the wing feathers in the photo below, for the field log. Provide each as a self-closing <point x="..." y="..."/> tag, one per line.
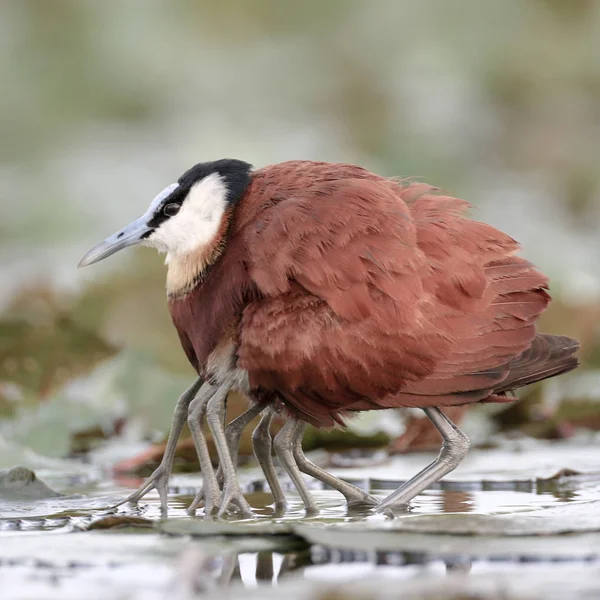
<point x="379" y="294"/>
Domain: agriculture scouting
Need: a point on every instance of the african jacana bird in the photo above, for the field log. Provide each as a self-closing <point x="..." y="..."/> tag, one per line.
<point x="321" y="289"/>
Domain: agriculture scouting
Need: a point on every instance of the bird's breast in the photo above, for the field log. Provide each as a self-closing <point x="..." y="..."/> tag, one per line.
<point x="207" y="317"/>
<point x="221" y="365"/>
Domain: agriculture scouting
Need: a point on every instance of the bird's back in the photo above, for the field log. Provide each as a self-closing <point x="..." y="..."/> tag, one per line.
<point x="376" y="293"/>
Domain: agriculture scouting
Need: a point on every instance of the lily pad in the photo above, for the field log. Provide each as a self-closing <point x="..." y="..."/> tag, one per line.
<point x="472" y="534"/>
<point x="255" y="536"/>
<point x="568" y="518"/>
<point x="200" y="527"/>
<point x="21" y="483"/>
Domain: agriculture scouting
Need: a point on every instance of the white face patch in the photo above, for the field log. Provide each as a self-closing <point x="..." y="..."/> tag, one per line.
<point x="197" y="222"/>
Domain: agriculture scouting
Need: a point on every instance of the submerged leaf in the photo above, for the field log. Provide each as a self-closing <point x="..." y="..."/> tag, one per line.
<point x="119" y="522"/>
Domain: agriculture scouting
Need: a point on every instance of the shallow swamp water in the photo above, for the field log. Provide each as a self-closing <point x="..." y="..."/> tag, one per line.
<point x="518" y="521"/>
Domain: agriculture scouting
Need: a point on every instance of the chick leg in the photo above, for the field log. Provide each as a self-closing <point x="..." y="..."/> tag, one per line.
<point x="284" y="444"/>
<point x="196" y="413"/>
<point x="215" y="414"/>
<point x="454" y="449"/>
<point x="355" y="497"/>
<point x="262" y="446"/>
<point x="160" y="478"/>
<point x="233" y="433"/>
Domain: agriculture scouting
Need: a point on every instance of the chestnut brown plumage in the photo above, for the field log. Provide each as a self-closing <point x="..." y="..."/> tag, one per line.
<point x="328" y="290"/>
<point x="344" y="291"/>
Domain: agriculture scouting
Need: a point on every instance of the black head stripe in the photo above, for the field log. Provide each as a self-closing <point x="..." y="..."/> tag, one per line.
<point x="236" y="174"/>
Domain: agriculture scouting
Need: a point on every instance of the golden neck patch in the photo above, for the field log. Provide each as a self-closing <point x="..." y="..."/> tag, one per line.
<point x="185" y="270"/>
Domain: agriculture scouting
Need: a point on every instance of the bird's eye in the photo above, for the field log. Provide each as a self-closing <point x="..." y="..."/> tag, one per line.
<point x="170" y="210"/>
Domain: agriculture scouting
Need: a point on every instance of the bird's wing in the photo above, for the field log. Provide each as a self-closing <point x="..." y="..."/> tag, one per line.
<point x="491" y="318"/>
<point x="363" y="296"/>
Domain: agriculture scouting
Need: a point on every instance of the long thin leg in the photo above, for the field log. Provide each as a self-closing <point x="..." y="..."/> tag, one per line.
<point x="233" y="433"/>
<point x="215" y="414"/>
<point x="160" y="478"/>
<point x="355" y="497"/>
<point x="262" y="446"/>
<point x="454" y="449"/>
<point x="196" y="413"/>
<point x="283" y="443"/>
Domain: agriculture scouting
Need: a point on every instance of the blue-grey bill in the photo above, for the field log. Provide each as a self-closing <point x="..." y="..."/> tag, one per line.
<point x="128" y="236"/>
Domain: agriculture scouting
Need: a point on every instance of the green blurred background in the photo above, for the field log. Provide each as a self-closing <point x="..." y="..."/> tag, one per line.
<point x="103" y="104"/>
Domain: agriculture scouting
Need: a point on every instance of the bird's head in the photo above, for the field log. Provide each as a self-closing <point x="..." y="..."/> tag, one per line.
<point x="186" y="216"/>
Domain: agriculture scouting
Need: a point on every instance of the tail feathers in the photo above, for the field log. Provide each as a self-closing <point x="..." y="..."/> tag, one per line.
<point x="549" y="355"/>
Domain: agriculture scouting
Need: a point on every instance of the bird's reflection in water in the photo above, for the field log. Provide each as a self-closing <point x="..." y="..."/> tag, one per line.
<point x="268" y="568"/>
<point x="261" y="568"/>
<point x="458" y="501"/>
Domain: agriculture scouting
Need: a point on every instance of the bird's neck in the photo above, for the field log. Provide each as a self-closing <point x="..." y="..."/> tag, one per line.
<point x="185" y="270"/>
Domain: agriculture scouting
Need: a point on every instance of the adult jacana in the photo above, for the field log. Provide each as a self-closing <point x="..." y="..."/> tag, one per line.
<point x="320" y="289"/>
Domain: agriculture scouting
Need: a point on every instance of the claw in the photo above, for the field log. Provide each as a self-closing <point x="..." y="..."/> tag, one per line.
<point x="196" y="503"/>
<point x="222" y="503"/>
<point x="279" y="509"/>
<point x="135" y="496"/>
<point x="233" y="495"/>
<point x="367" y="501"/>
<point x="210" y="504"/>
<point x="199" y="497"/>
<point x="159" y="481"/>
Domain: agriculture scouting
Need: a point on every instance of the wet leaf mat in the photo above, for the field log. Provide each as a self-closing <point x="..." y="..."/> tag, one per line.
<point x="480" y="534"/>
